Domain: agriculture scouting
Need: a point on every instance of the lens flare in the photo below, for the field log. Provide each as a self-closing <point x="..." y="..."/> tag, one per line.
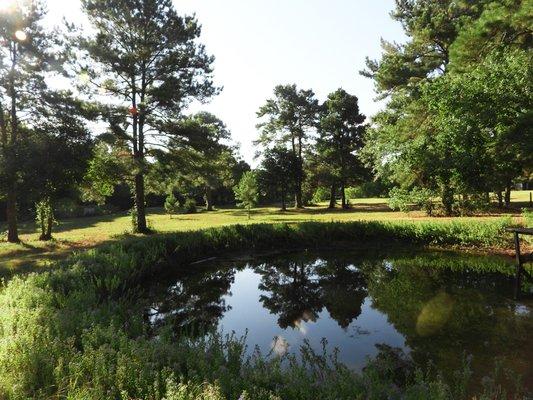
<point x="280" y="346"/>
<point x="21" y="35"/>
<point x="7" y="5"/>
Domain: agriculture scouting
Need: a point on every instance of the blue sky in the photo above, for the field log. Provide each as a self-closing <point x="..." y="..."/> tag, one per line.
<point x="318" y="44"/>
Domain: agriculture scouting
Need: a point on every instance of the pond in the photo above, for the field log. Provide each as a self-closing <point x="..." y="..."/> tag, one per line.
<point x="435" y="306"/>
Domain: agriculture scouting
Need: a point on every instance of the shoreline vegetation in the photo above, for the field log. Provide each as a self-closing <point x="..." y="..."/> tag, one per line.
<point x="70" y="332"/>
<point x="77" y="234"/>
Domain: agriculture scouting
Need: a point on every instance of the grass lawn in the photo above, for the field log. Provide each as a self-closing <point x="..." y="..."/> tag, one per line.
<point x="82" y="233"/>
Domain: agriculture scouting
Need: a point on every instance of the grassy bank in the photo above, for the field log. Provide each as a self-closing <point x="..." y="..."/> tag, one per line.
<point x="76" y="332"/>
<point x="82" y="233"/>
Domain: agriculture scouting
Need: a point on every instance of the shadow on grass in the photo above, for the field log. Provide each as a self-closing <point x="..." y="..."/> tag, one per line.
<point x="354" y="209"/>
<point x="26" y="258"/>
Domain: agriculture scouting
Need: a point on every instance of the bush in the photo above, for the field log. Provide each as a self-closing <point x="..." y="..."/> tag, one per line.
<point x="403" y="200"/>
<point x="468" y="205"/>
<point x="321" y="194"/>
<point x="76" y="331"/>
<point x="399" y="199"/>
<point x="172" y="205"/>
<point x="189" y="206"/>
<point x="354" y="192"/>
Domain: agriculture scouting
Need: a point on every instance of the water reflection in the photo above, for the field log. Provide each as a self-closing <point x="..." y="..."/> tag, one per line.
<point x="193" y="303"/>
<point x="435" y="306"/>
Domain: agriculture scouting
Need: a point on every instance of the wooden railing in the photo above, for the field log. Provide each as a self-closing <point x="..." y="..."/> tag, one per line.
<point x="521" y="259"/>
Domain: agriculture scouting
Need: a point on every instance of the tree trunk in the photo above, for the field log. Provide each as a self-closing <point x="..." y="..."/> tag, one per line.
<point x="500" y="198"/>
<point x="508" y="195"/>
<point x="343" y="197"/>
<point x="283" y="204"/>
<point x="298" y="197"/>
<point x="139" y="203"/>
<point x="208" y="199"/>
<point x="50" y="223"/>
<point x="447" y="200"/>
<point x="11" y="211"/>
<point x="332" y="200"/>
<point x="11" y="201"/>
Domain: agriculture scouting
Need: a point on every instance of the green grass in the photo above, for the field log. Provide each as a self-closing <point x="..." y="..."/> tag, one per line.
<point x="76" y="332"/>
<point x="82" y="233"/>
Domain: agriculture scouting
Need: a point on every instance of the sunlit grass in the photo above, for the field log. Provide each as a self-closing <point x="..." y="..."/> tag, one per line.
<point x="79" y="233"/>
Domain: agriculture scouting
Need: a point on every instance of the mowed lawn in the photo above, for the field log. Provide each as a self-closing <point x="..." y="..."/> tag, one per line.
<point x="81" y="233"/>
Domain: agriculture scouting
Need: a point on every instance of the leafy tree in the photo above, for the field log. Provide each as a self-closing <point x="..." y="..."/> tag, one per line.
<point x="485" y="115"/>
<point x="278" y="169"/>
<point x="438" y="132"/>
<point x="247" y="191"/>
<point x="341" y="139"/>
<point x="27" y="53"/>
<point x="202" y="140"/>
<point x="44" y="216"/>
<point x="288" y="119"/>
<point x="147" y="57"/>
<point x="57" y="152"/>
<point x="108" y="166"/>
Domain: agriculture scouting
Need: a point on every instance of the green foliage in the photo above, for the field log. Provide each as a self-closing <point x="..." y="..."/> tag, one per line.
<point x="189" y="206"/>
<point x="107" y="168"/>
<point x="172" y="205"/>
<point x="247" y="191"/>
<point x="133" y="218"/>
<point x="458" y="121"/>
<point x="278" y="172"/>
<point x="340" y="139"/>
<point x="287" y="121"/>
<point x="403" y="200"/>
<point x="527" y="214"/>
<point x="44" y="217"/>
<point x="321" y="194"/>
<point x="76" y="331"/>
<point x="199" y="158"/>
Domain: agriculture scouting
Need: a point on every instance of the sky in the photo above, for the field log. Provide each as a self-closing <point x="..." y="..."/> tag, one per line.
<point x="258" y="44"/>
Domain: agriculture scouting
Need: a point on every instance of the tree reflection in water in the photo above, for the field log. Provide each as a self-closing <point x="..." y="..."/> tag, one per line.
<point x="437" y="302"/>
<point x="194" y="303"/>
<point x="297" y="290"/>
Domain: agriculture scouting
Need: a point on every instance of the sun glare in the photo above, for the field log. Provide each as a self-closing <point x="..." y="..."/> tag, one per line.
<point x="7" y="5"/>
<point x="21" y="35"/>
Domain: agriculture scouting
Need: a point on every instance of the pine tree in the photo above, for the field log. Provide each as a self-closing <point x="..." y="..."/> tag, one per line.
<point x="147" y="58"/>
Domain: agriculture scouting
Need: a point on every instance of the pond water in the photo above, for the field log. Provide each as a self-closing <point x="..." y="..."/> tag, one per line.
<point x="432" y="305"/>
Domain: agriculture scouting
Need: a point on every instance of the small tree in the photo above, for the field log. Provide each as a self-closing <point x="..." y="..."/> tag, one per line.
<point x="44" y="217"/>
<point x="172" y="205"/>
<point x="247" y="191"/>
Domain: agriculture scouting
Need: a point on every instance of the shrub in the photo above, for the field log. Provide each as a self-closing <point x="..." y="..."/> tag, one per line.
<point x="189" y="206"/>
<point x="403" y="200"/>
<point x="321" y="194"/>
<point x="399" y="199"/>
<point x="172" y="205"/>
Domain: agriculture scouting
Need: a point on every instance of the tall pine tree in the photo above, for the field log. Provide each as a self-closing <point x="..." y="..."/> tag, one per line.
<point x="147" y="58"/>
<point x="27" y="53"/>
